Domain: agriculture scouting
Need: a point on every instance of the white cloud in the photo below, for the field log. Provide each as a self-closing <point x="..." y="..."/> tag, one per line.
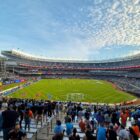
<point x="118" y="25"/>
<point x="110" y="23"/>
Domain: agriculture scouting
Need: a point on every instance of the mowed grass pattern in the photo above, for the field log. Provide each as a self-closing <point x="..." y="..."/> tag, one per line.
<point x="5" y="87"/>
<point x="59" y="89"/>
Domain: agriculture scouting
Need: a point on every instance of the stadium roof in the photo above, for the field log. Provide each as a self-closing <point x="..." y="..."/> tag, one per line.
<point x="28" y="56"/>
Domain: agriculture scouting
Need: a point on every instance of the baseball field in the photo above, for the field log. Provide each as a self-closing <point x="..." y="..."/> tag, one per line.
<point x="83" y="90"/>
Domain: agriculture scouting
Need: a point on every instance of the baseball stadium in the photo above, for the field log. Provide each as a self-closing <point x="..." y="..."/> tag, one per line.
<point x="109" y="81"/>
<point x="70" y="70"/>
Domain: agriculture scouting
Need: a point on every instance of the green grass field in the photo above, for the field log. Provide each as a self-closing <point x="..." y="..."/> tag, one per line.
<point x="83" y="90"/>
<point x="5" y="87"/>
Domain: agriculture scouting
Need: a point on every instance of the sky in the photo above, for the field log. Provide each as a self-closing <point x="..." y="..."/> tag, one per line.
<point x="71" y="29"/>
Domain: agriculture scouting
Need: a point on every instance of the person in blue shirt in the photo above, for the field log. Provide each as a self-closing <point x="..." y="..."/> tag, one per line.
<point x="69" y="127"/>
<point x="101" y="132"/>
<point x="100" y="117"/>
<point x="58" y="129"/>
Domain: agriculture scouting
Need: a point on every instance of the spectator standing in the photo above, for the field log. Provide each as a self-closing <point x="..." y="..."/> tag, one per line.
<point x="123" y="134"/>
<point x="67" y="117"/>
<point x="74" y="136"/>
<point x="136" y="129"/>
<point x="133" y="136"/>
<point x="1" y="121"/>
<point x="111" y="134"/>
<point x="40" y="113"/>
<point x="82" y="125"/>
<point x="58" y="131"/>
<point x="9" y="120"/>
<point x="49" y="109"/>
<point x="21" y="115"/>
<point x="27" y="118"/>
<point x="69" y="127"/>
<point x="123" y="118"/>
<point x="17" y="134"/>
<point x="88" y="136"/>
<point x="101" y="132"/>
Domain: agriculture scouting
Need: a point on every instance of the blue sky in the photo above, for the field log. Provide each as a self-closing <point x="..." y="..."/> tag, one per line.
<point x="71" y="29"/>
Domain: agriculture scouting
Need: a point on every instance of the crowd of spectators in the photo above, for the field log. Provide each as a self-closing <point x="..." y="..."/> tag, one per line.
<point x="51" y="64"/>
<point x="16" y="111"/>
<point x="101" y="122"/>
<point x="131" y="85"/>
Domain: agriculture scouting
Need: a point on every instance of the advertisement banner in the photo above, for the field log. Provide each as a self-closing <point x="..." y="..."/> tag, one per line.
<point x="17" y="81"/>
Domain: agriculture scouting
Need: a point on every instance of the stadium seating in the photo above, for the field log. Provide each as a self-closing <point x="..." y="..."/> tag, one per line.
<point x="25" y="65"/>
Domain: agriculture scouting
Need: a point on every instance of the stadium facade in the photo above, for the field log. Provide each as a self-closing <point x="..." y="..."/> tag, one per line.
<point x="123" y="72"/>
